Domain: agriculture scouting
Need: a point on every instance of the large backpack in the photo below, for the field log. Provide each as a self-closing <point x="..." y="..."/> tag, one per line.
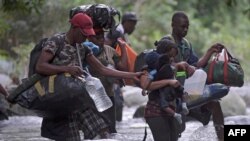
<point x="35" y="53"/>
<point x="101" y="14"/>
<point x="140" y="60"/>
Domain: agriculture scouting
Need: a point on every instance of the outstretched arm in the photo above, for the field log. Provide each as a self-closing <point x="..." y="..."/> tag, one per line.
<point x="101" y="69"/>
<point x="123" y="63"/>
<point x="147" y="85"/>
<point x="216" y="48"/>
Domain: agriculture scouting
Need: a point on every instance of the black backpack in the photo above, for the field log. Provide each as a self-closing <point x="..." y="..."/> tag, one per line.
<point x="140" y="60"/>
<point x="101" y="14"/>
<point x="35" y="53"/>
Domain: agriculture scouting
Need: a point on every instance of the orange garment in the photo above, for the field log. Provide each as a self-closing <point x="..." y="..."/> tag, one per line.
<point x="131" y="54"/>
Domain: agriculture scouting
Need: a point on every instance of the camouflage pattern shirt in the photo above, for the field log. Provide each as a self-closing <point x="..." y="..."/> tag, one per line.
<point x="68" y="54"/>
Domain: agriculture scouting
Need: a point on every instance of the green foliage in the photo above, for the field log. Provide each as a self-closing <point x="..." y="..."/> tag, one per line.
<point x="3" y="54"/>
<point x="225" y="21"/>
<point x="25" y="6"/>
<point x="22" y="61"/>
<point x="3" y="27"/>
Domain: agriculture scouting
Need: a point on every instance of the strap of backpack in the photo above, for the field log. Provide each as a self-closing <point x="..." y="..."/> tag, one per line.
<point x="225" y="68"/>
<point x="211" y="71"/>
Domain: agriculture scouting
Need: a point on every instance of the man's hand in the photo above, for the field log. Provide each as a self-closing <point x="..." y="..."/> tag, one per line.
<point x="75" y="70"/>
<point x="184" y="66"/>
<point x="216" y="48"/>
<point x="137" y="77"/>
<point x="181" y="66"/>
<point x="190" y="70"/>
<point x="121" y="42"/>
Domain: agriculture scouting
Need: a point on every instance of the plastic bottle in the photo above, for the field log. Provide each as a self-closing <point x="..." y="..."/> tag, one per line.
<point x="181" y="76"/>
<point x="195" y="84"/>
<point x="98" y="93"/>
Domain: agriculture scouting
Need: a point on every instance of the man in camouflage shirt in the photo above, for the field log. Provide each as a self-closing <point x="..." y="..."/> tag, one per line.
<point x="85" y="119"/>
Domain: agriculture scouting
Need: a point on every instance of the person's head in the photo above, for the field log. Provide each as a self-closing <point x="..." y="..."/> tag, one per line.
<point x="151" y="60"/>
<point x="166" y="46"/>
<point x="129" y="21"/>
<point x="81" y="27"/>
<point x="98" y="38"/>
<point x="180" y="24"/>
<point x="164" y="68"/>
<point x="112" y="36"/>
<point x="163" y="59"/>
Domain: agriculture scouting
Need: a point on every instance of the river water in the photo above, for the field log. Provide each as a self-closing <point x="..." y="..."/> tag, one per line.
<point x="27" y="128"/>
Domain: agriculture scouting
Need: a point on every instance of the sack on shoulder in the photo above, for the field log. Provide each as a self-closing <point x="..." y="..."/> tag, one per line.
<point x="51" y="96"/>
<point x="227" y="71"/>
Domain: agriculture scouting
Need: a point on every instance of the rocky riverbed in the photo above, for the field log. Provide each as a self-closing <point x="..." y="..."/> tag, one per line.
<point x="235" y="109"/>
<point x="27" y="128"/>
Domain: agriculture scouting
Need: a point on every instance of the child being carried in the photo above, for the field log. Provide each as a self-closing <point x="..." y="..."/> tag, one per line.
<point x="161" y="66"/>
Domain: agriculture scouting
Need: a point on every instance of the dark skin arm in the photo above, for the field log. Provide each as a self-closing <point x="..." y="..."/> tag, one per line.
<point x="123" y="63"/>
<point x="216" y="48"/>
<point x="184" y="66"/>
<point x="144" y="82"/>
<point x="44" y="67"/>
<point x="101" y="69"/>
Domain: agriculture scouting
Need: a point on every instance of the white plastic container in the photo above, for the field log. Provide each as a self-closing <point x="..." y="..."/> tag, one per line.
<point x="195" y="84"/>
<point x="98" y="94"/>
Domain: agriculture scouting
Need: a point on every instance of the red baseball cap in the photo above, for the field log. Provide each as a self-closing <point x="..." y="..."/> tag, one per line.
<point x="84" y="22"/>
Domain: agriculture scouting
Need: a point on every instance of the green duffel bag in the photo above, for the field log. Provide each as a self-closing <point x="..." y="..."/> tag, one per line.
<point x="228" y="71"/>
<point x="51" y="96"/>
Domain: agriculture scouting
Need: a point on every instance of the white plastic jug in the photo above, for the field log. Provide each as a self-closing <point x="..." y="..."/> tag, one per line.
<point x="195" y="84"/>
<point x="97" y="93"/>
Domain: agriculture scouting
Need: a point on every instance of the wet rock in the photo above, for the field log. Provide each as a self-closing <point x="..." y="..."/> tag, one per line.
<point x="244" y="92"/>
<point x="6" y="66"/>
<point x="232" y="105"/>
<point x="133" y="97"/>
<point x="5" y="80"/>
<point x="246" y="98"/>
<point x="7" y="109"/>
